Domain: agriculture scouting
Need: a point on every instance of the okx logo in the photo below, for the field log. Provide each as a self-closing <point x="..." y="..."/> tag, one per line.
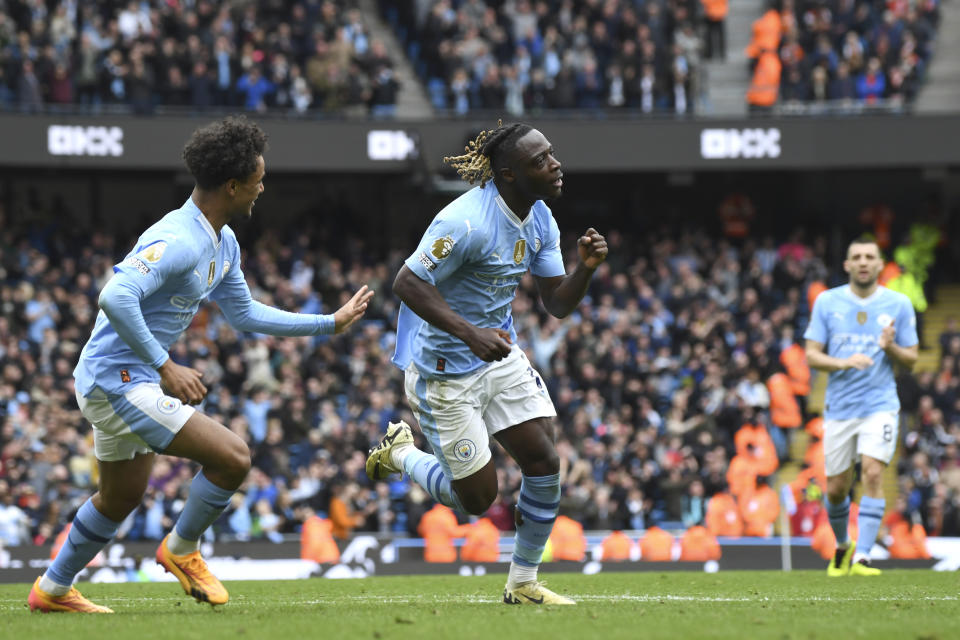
<point x="67" y="140"/>
<point x="727" y="144"/>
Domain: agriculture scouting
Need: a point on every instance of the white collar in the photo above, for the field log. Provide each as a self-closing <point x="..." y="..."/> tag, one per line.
<point x="204" y="223"/>
<point x="507" y="211"/>
<point x="864" y="301"/>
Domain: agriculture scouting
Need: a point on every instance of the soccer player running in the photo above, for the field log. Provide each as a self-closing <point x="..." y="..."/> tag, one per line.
<point x="138" y="399"/>
<point x="465" y="377"/>
<point x="857" y="333"/>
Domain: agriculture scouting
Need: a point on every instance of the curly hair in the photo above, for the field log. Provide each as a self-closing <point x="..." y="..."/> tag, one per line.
<point x="223" y="151"/>
<point x="484" y="153"/>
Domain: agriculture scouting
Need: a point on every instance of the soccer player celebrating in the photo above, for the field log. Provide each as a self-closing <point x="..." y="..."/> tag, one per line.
<point x="857" y="333"/>
<point x="138" y="399"/>
<point x="465" y="377"/>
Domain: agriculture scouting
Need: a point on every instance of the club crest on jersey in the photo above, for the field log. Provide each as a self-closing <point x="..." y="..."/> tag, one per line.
<point x="442" y="247"/>
<point x="862" y="317"/>
<point x="465" y="450"/>
<point x="519" y="250"/>
<point x="154" y="252"/>
<point x="212" y="273"/>
<point x="226" y="267"/>
<point x="884" y="319"/>
<point x="536" y="244"/>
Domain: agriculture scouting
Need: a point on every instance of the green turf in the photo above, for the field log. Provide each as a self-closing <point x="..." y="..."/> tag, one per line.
<point x="741" y="605"/>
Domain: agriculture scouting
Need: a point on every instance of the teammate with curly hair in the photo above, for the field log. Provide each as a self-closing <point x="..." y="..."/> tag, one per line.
<point x="139" y="400"/>
<point x="466" y="379"/>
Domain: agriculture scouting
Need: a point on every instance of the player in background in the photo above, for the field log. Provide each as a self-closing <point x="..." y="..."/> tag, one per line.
<point x="857" y="333"/>
<point x="138" y="399"/>
<point x="465" y="377"/>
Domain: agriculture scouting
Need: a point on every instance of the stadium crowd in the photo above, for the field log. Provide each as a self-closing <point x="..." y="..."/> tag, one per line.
<point x="527" y="56"/>
<point x="298" y="58"/>
<point x="848" y="52"/>
<point x="675" y="385"/>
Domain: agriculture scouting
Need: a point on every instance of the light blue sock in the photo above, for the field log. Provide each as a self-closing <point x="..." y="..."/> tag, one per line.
<point x="204" y="505"/>
<point x="538" y="507"/>
<point x="839" y="515"/>
<point x="426" y="471"/>
<point x="868" y="521"/>
<point x="91" y="531"/>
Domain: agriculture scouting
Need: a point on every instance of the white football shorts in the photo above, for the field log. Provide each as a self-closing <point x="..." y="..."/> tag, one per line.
<point x="844" y="440"/>
<point x="457" y="415"/>
<point x="143" y="420"/>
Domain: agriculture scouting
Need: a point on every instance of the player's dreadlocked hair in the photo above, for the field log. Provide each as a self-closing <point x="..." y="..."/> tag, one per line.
<point x="223" y="151"/>
<point x="483" y="153"/>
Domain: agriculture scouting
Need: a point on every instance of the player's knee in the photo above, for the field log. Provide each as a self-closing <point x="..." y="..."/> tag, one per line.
<point x="547" y="464"/>
<point x="873" y="476"/>
<point x="477" y="503"/>
<point x="236" y="463"/>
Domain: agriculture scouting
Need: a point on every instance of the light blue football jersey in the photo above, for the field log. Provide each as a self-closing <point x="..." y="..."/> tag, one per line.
<point x="475" y="252"/>
<point x="847" y="324"/>
<point x="156" y="291"/>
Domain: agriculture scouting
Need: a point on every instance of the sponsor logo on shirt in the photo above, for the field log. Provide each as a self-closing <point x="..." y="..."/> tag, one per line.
<point x="442" y="247"/>
<point x="154" y="252"/>
<point x="426" y="261"/>
<point x="137" y="264"/>
<point x="212" y="272"/>
<point x="862" y="317"/>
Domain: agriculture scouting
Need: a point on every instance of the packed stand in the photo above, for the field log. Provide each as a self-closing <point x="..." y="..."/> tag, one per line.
<point x="530" y="56"/>
<point x="850" y="54"/>
<point x="294" y="58"/>
<point x="674" y="384"/>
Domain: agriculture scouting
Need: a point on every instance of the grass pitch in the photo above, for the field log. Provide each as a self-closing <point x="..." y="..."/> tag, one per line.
<point x="735" y="604"/>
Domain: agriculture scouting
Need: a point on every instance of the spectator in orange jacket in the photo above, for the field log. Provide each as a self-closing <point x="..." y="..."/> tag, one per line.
<point x="723" y="516"/>
<point x="482" y="542"/>
<point x="656" y="545"/>
<point x="784" y="408"/>
<point x="794" y="360"/>
<point x="699" y="545"/>
<point x="815" y="427"/>
<point x="438" y="528"/>
<point x="341" y="513"/>
<point x="567" y="541"/>
<point x="741" y="475"/>
<point x="765" y="86"/>
<point x="759" y="509"/>
<point x="715" y="13"/>
<point x="316" y="540"/>
<point x="767" y="30"/>
<point x="754" y="443"/>
<point x="815" y="289"/>
<point x="908" y="541"/>
<point x="616" y="547"/>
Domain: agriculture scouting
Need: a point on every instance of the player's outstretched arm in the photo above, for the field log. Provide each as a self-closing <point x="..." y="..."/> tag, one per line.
<point x="353" y="310"/>
<point x="562" y="294"/>
<point x="425" y="300"/>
